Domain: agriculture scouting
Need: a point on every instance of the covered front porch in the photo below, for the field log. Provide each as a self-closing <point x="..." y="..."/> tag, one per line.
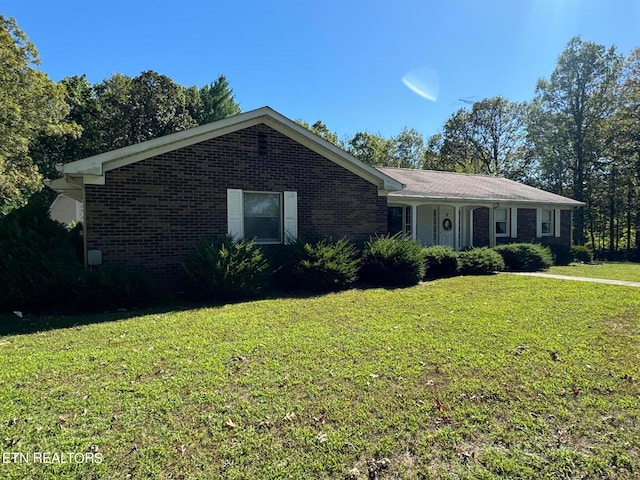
<point x="455" y="225"/>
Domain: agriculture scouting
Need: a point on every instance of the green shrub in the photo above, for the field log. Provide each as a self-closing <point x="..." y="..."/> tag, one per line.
<point x="322" y="266"/>
<point x="109" y="289"/>
<point x="480" y="261"/>
<point x="582" y="254"/>
<point x="392" y="261"/>
<point x="525" y="257"/>
<point x="561" y="254"/>
<point x="38" y="263"/>
<point x="224" y="270"/>
<point x="440" y="261"/>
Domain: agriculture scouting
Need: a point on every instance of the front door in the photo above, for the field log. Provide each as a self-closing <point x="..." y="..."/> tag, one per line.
<point x="446" y="226"/>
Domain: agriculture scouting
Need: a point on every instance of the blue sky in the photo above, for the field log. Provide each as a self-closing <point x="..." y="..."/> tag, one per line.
<point x="339" y="61"/>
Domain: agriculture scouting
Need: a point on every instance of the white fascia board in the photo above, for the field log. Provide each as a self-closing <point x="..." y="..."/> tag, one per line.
<point x="104" y="162"/>
<point x="67" y="187"/>
<point x="99" y="164"/>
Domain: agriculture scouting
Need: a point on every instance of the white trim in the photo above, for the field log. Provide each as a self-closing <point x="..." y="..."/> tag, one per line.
<point x="92" y="169"/>
<point x="235" y="221"/>
<point x="471" y="226"/>
<point x="290" y="217"/>
<point x="414" y="222"/>
<point x="507" y="222"/>
<point x="514" y="222"/>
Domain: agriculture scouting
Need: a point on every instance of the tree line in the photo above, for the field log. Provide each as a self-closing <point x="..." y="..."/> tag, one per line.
<point x="44" y="123"/>
<point x="579" y="136"/>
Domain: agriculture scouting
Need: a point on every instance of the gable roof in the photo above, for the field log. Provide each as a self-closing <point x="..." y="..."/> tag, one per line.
<point x="92" y="170"/>
<point x="467" y="188"/>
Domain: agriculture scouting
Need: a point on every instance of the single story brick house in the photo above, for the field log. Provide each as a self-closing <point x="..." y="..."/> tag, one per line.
<point x="259" y="175"/>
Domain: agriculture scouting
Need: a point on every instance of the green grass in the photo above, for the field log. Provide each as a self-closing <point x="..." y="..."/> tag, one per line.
<point x="491" y="377"/>
<point x="610" y="270"/>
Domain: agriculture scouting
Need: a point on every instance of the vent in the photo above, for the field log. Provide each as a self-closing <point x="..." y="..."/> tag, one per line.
<point x="262" y="144"/>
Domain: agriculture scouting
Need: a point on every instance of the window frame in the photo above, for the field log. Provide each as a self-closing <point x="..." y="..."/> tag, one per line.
<point x="265" y="241"/>
<point x="288" y="215"/>
<point x="550" y="222"/>
<point x="506" y="221"/>
<point x="405" y="216"/>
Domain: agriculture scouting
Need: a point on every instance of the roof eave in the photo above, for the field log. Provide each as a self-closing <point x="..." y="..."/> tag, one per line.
<point x="96" y="166"/>
<point x="569" y="203"/>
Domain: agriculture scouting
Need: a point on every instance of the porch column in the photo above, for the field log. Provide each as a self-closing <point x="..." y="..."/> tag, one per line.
<point x="456" y="227"/>
<point x="492" y="227"/>
<point x="414" y="222"/>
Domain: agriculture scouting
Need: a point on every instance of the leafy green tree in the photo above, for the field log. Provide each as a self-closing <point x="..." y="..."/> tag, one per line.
<point x="409" y="149"/>
<point x="30" y="105"/>
<point x="372" y="149"/>
<point x="487" y="139"/>
<point x="573" y="105"/>
<point x="49" y="150"/>
<point x="320" y="129"/>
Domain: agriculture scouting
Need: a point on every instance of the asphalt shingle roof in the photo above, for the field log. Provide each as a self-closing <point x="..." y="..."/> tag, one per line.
<point x="463" y="187"/>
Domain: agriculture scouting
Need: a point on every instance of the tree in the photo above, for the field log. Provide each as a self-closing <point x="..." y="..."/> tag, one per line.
<point x="215" y="103"/>
<point x="487" y="139"/>
<point x="84" y="111"/>
<point x="372" y="149"/>
<point x="320" y="129"/>
<point x="409" y="149"/>
<point x="30" y="105"/>
<point x="573" y="106"/>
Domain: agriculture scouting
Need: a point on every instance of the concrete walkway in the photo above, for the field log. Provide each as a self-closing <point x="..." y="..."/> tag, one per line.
<point x="579" y="279"/>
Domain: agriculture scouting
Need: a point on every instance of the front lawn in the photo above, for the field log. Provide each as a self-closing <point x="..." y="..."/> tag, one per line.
<point x="470" y="377"/>
<point x="610" y="270"/>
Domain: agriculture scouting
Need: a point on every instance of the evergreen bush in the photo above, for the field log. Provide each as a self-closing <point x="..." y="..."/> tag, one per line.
<point x="561" y="254"/>
<point x="480" y="261"/>
<point x="38" y="263"/>
<point x="395" y="261"/>
<point x="582" y="254"/>
<point x="322" y="266"/>
<point x="525" y="257"/>
<point x="110" y="289"/>
<point x="224" y="270"/>
<point x="440" y="262"/>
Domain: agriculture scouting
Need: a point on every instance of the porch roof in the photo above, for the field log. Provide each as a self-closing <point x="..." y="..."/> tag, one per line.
<point x="467" y="188"/>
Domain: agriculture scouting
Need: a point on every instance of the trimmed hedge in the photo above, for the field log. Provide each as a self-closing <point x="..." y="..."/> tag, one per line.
<point x="582" y="254"/>
<point x="480" y="261"/>
<point x="323" y="266"/>
<point x="525" y="257"/>
<point x="396" y="261"/>
<point x="561" y="254"/>
<point x="224" y="270"/>
<point x="440" y="262"/>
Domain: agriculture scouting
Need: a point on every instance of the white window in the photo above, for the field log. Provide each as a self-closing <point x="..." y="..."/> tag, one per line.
<point x="546" y="222"/>
<point x="262" y="216"/>
<point x="501" y="216"/>
<point x="266" y="217"/>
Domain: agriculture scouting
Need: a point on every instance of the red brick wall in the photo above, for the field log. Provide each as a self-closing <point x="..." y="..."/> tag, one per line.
<point x="481" y="232"/>
<point x="150" y="214"/>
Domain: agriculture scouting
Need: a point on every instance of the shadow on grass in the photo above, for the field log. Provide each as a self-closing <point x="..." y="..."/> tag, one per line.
<point x="12" y="324"/>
